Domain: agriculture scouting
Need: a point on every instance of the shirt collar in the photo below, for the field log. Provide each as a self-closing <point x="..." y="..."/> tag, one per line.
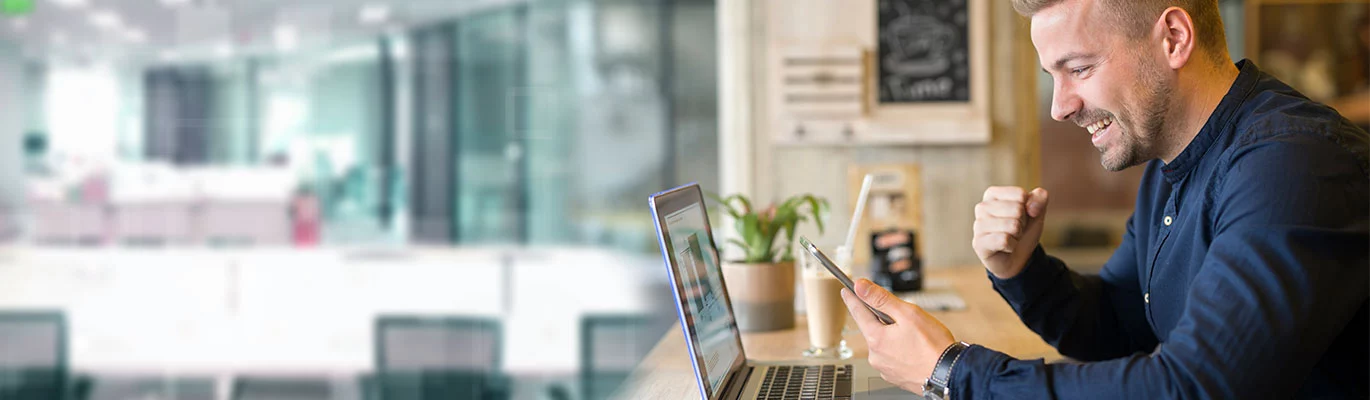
<point x="1218" y="122"/>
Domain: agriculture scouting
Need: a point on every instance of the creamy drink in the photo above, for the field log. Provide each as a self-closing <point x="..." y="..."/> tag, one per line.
<point x="827" y="312"/>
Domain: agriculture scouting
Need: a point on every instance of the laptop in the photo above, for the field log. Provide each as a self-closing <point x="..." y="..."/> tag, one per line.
<point x="721" y="367"/>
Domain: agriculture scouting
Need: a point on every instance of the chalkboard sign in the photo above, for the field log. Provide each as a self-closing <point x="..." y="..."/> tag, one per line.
<point x="924" y="53"/>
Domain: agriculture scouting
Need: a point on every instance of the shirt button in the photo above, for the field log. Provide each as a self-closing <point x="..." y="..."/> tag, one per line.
<point x="1168" y="220"/>
<point x="1146" y="298"/>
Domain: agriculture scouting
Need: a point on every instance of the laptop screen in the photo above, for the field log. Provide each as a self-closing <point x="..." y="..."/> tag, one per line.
<point x="694" y="262"/>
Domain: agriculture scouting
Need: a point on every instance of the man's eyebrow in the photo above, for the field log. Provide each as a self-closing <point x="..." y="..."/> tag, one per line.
<point x="1061" y="62"/>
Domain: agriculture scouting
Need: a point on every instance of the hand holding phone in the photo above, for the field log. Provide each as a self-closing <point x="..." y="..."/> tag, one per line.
<point x="842" y="277"/>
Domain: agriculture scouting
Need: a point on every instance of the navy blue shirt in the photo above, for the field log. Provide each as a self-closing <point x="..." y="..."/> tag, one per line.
<point x="1244" y="272"/>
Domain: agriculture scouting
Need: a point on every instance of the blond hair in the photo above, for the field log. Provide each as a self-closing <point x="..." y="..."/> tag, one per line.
<point x="1137" y="16"/>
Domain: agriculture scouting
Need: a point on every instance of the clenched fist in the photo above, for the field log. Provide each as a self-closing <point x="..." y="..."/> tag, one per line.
<point x="1008" y="224"/>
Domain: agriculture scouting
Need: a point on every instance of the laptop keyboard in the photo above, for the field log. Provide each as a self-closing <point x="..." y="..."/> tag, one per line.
<point x="807" y="382"/>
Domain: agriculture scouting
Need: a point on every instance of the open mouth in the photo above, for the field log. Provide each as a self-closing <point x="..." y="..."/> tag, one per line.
<point x="1098" y="130"/>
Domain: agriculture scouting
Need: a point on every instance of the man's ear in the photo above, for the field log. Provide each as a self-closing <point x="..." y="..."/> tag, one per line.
<point x="1177" y="36"/>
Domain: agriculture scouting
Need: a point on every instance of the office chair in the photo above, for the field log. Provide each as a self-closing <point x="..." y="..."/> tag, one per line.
<point x="610" y="347"/>
<point x="295" y="388"/>
<point x="145" y="387"/>
<point x="33" y="355"/>
<point x="433" y="358"/>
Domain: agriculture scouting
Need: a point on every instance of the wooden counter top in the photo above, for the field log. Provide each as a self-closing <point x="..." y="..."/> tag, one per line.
<point x="666" y="372"/>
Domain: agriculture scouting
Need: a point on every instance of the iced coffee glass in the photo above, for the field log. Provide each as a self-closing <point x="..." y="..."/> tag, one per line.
<point x="827" y="314"/>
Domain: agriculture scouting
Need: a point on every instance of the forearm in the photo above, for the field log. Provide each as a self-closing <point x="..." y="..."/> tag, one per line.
<point x="984" y="373"/>
<point x="1075" y="313"/>
<point x="1262" y="313"/>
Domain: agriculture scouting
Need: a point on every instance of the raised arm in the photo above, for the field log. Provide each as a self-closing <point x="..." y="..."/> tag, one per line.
<point x="1084" y="317"/>
<point x="1281" y="280"/>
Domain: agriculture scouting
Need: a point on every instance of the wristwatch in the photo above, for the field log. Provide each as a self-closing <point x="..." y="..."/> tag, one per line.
<point x="937" y="387"/>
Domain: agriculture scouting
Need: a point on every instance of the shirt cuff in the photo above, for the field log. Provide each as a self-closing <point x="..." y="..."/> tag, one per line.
<point x="970" y="374"/>
<point x="1039" y="274"/>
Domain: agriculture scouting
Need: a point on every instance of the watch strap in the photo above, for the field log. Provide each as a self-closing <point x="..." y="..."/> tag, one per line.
<point x="938" y="384"/>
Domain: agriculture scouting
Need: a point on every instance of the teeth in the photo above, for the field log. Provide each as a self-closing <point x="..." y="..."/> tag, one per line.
<point x="1095" y="127"/>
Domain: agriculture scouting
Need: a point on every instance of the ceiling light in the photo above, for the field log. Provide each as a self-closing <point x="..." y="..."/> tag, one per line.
<point x="106" y="19"/>
<point x="287" y="38"/>
<point x="372" y="14"/>
<point x="72" y="3"/>
<point x="175" y="3"/>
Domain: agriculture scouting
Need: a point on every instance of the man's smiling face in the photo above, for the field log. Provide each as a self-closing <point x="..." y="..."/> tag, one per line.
<point x="1112" y="85"/>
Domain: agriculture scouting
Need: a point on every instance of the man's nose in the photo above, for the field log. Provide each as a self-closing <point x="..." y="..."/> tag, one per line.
<point x="1064" y="103"/>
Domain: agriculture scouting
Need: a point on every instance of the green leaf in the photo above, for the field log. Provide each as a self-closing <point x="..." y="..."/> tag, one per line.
<point x="746" y="204"/>
<point x="787" y="249"/>
<point x="726" y="206"/>
<point x="818" y="208"/>
<point x="757" y="243"/>
<point x="764" y="241"/>
<point x="740" y="244"/>
<point x="768" y="235"/>
<point x="747" y="227"/>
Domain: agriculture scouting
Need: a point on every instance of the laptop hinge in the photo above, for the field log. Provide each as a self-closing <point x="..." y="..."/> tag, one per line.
<point x="737" y="382"/>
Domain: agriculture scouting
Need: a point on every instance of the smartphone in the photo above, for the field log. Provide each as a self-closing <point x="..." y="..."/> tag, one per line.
<point x="842" y="277"/>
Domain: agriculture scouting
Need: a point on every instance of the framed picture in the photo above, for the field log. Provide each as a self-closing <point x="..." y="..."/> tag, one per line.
<point x="1320" y="47"/>
<point x="924" y="51"/>
<point x="878" y="72"/>
<point x="930" y="71"/>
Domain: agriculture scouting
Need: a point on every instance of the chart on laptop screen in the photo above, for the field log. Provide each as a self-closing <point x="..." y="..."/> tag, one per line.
<point x="706" y="311"/>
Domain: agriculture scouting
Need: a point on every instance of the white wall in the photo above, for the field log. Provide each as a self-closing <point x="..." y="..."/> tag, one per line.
<point x="12" y="120"/>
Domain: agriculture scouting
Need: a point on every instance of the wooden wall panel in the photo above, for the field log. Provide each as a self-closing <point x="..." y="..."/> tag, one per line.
<point x="953" y="177"/>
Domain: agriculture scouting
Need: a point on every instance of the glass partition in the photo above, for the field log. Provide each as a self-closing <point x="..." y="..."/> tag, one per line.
<point x="489" y="150"/>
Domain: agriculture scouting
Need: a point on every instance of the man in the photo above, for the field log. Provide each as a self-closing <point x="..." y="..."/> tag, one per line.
<point x="1244" y="270"/>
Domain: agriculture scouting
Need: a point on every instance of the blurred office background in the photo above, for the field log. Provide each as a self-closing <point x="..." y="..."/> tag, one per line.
<point x="393" y="199"/>
<point x="437" y="199"/>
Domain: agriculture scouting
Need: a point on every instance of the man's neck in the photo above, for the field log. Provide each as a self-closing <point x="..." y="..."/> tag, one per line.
<point x="1199" y="92"/>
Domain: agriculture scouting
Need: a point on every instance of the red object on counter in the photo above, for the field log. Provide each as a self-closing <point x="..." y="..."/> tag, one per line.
<point x="307" y="220"/>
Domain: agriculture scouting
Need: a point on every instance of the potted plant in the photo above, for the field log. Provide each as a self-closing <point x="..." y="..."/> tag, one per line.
<point x="761" y="284"/>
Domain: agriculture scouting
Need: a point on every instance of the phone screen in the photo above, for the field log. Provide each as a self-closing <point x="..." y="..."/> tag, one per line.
<point x="842" y="277"/>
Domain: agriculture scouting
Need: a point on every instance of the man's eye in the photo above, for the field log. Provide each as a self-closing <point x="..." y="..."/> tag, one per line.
<point x="1078" y="70"/>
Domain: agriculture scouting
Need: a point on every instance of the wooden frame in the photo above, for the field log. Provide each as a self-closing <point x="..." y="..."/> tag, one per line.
<point x="878" y="124"/>
<point x="948" y="123"/>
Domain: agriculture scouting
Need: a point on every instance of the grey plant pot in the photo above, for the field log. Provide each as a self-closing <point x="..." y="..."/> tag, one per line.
<point x="762" y="295"/>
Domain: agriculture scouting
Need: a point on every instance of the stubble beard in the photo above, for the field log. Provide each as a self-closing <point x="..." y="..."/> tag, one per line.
<point x="1136" y="147"/>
